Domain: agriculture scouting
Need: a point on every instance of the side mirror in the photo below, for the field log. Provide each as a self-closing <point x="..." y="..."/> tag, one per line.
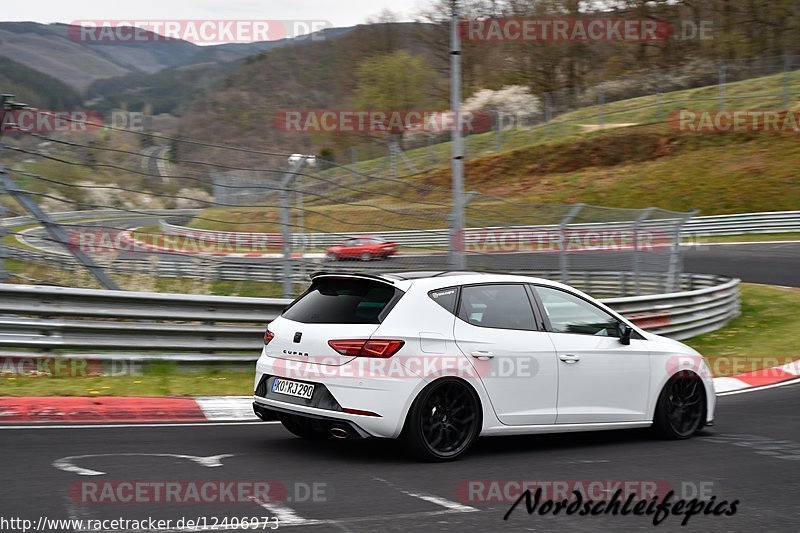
<point x="624" y="331"/>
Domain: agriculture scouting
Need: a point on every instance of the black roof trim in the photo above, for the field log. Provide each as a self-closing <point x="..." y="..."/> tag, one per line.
<point x="393" y="276"/>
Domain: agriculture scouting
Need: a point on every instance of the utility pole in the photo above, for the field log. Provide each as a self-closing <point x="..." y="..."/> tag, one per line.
<point x="457" y="163"/>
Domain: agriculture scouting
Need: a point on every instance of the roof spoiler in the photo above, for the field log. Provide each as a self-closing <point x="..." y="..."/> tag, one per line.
<point x="350" y="275"/>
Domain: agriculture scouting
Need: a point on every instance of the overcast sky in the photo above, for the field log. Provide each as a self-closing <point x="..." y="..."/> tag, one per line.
<point x="338" y="12"/>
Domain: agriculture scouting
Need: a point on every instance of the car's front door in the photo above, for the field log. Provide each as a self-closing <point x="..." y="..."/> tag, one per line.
<point x="599" y="378"/>
<point x="497" y="331"/>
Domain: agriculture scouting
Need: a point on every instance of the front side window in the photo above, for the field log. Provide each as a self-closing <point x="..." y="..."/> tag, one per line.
<point x="571" y="314"/>
<point x="497" y="306"/>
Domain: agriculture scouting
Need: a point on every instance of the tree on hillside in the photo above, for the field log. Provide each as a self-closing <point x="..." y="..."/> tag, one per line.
<point x="397" y="80"/>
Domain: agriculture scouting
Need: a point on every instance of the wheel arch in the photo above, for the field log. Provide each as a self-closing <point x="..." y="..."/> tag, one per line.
<point x="433" y="383"/>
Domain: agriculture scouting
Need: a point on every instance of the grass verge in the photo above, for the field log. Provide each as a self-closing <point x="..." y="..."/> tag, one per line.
<point x="764" y="336"/>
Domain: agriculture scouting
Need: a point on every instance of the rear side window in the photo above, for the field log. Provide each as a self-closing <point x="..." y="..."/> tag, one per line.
<point x="445" y="297"/>
<point x="343" y="301"/>
<point x="497" y="306"/>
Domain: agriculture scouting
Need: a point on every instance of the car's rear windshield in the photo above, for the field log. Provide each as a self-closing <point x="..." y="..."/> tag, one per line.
<point x="343" y="301"/>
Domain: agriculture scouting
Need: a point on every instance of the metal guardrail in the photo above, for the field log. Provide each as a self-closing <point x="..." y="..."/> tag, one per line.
<point x="766" y="222"/>
<point x="209" y="328"/>
<point x="685" y="314"/>
<point x="600" y="283"/>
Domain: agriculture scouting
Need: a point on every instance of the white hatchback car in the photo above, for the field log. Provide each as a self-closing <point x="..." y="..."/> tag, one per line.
<point x="439" y="358"/>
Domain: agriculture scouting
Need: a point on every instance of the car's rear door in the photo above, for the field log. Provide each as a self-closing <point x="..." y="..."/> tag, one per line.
<point x="497" y="330"/>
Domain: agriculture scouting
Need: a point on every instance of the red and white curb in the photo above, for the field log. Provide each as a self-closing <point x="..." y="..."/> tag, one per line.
<point x="112" y="409"/>
<point x="758" y="378"/>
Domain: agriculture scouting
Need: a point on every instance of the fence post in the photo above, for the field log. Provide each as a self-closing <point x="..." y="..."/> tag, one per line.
<point x="563" y="254"/>
<point x="548" y="113"/>
<point x="498" y="123"/>
<point x="787" y="66"/>
<point x="675" y="270"/>
<point x="286" y="233"/>
<point x="721" y="83"/>
<point x="601" y="101"/>
<point x="637" y="274"/>
<point x="55" y="231"/>
<point x="660" y="98"/>
<point x="3" y="232"/>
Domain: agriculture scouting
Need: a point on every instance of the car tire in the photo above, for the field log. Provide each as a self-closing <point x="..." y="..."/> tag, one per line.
<point x="366" y="256"/>
<point x="428" y="432"/>
<point x="681" y="407"/>
<point x="304" y="427"/>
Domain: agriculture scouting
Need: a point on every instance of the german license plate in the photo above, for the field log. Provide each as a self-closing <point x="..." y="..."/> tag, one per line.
<point x="292" y="388"/>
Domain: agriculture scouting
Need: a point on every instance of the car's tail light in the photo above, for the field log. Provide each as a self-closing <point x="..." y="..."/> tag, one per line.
<point x="380" y="348"/>
<point x="268" y="336"/>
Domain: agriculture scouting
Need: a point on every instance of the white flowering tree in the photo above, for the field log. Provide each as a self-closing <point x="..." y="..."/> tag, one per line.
<point x="511" y="103"/>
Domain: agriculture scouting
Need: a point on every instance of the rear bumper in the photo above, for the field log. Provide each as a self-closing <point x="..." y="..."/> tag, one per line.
<point x="388" y="397"/>
<point x="267" y="413"/>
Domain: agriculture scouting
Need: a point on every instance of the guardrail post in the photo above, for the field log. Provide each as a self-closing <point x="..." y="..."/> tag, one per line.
<point x="721" y="83"/>
<point x="563" y="254"/>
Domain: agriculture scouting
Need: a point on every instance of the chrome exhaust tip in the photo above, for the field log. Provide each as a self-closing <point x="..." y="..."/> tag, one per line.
<point x="339" y="432"/>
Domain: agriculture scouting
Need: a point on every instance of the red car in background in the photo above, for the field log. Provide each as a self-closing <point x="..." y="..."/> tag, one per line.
<point x="363" y="248"/>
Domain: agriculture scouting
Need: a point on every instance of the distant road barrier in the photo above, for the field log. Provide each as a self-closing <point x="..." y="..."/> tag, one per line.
<point x="767" y="222"/>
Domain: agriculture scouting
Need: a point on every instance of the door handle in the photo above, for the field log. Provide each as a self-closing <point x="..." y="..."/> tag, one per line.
<point x="570" y="359"/>
<point x="483" y="355"/>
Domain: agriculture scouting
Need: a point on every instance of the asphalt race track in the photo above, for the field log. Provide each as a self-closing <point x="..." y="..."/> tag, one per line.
<point x="769" y="263"/>
<point x="751" y="455"/>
